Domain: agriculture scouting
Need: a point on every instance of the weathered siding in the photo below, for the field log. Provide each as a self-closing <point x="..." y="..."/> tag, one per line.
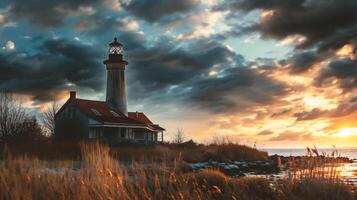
<point x="116" y="91"/>
<point x="71" y="124"/>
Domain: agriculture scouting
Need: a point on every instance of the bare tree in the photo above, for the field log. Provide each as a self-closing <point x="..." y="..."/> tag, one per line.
<point x="12" y="115"/>
<point x="179" y="137"/>
<point x="48" y="118"/>
<point x="31" y="132"/>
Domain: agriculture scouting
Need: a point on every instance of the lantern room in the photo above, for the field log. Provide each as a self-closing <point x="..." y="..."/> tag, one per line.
<point x="116" y="47"/>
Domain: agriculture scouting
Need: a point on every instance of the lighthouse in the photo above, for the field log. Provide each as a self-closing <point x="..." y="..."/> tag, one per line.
<point x="109" y="120"/>
<point x="116" y="90"/>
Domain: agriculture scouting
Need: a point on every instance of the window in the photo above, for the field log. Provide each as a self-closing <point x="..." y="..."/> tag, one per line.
<point x="114" y="113"/>
<point x="96" y="112"/>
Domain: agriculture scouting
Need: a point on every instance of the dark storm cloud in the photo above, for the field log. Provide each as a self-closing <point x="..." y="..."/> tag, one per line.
<point x="302" y="61"/>
<point x="173" y="73"/>
<point x="49" y="13"/>
<point x="344" y="70"/>
<point x="104" y="28"/>
<point x="317" y="20"/>
<point x="166" y="70"/>
<point x="155" y="10"/>
<point x="165" y="64"/>
<point x="240" y="89"/>
<point x="59" y="64"/>
<point x="160" y="69"/>
<point x="326" y="25"/>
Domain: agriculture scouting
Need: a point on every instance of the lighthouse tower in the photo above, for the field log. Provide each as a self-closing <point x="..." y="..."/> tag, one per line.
<point x="116" y="91"/>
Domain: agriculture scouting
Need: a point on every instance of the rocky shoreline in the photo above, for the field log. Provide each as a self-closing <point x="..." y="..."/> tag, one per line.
<point x="274" y="165"/>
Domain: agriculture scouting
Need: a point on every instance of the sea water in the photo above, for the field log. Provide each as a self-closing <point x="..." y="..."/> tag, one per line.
<point x="344" y="152"/>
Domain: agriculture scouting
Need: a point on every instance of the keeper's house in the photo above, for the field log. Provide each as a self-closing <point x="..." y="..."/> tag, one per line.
<point x="109" y="120"/>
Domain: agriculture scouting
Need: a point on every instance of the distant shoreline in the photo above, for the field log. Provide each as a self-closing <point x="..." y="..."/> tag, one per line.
<point x="351" y="153"/>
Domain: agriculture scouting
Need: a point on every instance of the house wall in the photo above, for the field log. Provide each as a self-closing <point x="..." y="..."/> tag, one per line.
<point x="71" y="123"/>
<point x="114" y="135"/>
<point x="143" y="134"/>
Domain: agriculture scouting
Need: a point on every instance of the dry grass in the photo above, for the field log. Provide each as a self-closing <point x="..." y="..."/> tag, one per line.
<point x="188" y="153"/>
<point x="317" y="176"/>
<point x="99" y="176"/>
<point x="312" y="189"/>
<point x="316" y="165"/>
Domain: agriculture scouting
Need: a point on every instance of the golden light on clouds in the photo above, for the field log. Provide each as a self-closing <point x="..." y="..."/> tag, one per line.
<point x="2" y="18"/>
<point x="206" y="23"/>
<point x="293" y="40"/>
<point x="10" y="45"/>
<point x="346" y="50"/>
<point x="266" y="14"/>
<point x="311" y="102"/>
<point x="212" y="73"/>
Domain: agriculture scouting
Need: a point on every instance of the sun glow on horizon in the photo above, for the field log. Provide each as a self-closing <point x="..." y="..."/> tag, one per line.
<point x="346" y="132"/>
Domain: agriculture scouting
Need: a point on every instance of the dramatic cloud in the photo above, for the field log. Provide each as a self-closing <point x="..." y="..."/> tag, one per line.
<point x="316" y="20"/>
<point x="266" y="132"/>
<point x="262" y="70"/>
<point x="242" y="88"/>
<point x="302" y="61"/>
<point x="314" y="114"/>
<point x="212" y="77"/>
<point x="61" y="64"/>
<point x="345" y="70"/>
<point x="342" y="110"/>
<point x="49" y="13"/>
<point x="10" y="45"/>
<point x="292" y="136"/>
<point x="167" y="65"/>
<point x="156" y="10"/>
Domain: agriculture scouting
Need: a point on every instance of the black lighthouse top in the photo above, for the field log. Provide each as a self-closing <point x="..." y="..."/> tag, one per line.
<point x="115" y="47"/>
<point x="115" y="52"/>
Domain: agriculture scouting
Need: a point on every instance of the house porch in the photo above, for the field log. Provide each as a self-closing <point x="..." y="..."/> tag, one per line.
<point x="125" y="134"/>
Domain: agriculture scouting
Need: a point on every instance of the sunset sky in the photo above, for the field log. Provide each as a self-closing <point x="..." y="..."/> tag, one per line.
<point x="278" y="73"/>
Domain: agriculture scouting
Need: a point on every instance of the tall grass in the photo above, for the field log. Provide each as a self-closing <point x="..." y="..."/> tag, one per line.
<point x="316" y="165"/>
<point x="317" y="171"/>
<point x="98" y="175"/>
<point x="188" y="153"/>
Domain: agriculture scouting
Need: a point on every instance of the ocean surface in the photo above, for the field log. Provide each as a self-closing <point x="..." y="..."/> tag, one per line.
<point x="344" y="152"/>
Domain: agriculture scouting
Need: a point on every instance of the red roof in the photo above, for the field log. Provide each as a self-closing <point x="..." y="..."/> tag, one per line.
<point x="100" y="111"/>
<point x="141" y="117"/>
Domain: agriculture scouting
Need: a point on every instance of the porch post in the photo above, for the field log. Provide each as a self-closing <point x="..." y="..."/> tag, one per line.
<point x="102" y="134"/>
<point x="162" y="136"/>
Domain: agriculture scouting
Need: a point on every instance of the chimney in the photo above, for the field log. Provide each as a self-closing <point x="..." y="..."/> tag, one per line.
<point x="72" y="95"/>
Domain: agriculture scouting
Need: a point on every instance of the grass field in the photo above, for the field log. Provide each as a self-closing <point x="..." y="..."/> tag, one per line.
<point x="97" y="174"/>
<point x="189" y="152"/>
